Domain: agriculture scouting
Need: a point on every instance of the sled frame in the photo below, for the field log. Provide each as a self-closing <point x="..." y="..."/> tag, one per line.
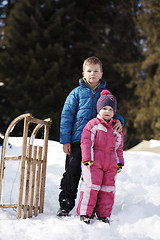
<point x="33" y="167"/>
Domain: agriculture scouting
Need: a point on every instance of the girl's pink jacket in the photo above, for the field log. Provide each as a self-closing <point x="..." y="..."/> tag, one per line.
<point x="100" y="141"/>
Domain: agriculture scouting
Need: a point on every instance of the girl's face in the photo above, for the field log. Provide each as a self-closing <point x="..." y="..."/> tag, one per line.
<point x="92" y="73"/>
<point x="107" y="113"/>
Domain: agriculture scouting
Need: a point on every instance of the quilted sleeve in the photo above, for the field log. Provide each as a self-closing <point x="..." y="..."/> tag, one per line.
<point x="67" y="117"/>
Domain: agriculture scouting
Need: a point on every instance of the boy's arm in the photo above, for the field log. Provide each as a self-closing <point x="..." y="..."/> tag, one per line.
<point x="68" y="117"/>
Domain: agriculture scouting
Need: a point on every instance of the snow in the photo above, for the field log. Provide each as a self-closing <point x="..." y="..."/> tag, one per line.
<point x="135" y="215"/>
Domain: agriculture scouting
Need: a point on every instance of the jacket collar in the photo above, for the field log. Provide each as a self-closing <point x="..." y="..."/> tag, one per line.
<point x="102" y="84"/>
<point x="109" y="124"/>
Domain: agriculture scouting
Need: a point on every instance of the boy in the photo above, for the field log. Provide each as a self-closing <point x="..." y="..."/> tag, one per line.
<point x="79" y="108"/>
<point x="101" y="153"/>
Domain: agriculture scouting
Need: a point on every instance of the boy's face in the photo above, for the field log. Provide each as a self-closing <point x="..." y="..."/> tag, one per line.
<point x="106" y="113"/>
<point x="92" y="73"/>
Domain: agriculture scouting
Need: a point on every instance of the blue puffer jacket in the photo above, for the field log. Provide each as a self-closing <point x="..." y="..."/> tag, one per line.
<point x="79" y="108"/>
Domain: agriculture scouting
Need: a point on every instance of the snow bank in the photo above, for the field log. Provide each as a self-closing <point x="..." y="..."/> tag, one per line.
<point x="135" y="215"/>
<point x="147" y="146"/>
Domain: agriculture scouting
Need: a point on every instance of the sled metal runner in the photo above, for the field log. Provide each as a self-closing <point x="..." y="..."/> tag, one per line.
<point x="33" y="167"/>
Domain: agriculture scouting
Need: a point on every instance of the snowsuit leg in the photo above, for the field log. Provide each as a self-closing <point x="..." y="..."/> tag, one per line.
<point x="97" y="189"/>
<point x="89" y="189"/>
<point x="106" y="194"/>
<point x="70" y="179"/>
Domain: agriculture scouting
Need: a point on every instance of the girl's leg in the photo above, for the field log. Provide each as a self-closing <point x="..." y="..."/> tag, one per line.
<point x="106" y="194"/>
<point x="90" y="186"/>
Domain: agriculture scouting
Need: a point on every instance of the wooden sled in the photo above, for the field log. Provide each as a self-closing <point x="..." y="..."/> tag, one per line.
<point x="33" y="167"/>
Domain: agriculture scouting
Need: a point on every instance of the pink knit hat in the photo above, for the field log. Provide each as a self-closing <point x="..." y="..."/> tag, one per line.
<point x="106" y="99"/>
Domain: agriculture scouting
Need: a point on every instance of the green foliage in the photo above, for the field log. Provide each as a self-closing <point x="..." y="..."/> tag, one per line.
<point x="147" y="115"/>
<point x="46" y="43"/>
<point x="34" y="59"/>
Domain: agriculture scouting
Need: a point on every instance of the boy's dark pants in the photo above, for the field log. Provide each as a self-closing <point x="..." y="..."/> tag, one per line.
<point x="70" y="179"/>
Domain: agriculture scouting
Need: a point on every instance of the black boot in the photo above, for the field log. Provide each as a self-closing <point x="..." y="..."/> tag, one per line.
<point x="104" y="219"/>
<point x="85" y="219"/>
<point x="62" y="213"/>
<point x="65" y="207"/>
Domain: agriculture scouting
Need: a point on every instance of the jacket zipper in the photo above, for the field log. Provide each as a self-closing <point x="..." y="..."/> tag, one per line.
<point x="93" y="104"/>
<point x="77" y="126"/>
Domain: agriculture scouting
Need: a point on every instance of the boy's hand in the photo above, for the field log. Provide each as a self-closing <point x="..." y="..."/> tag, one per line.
<point x="117" y="126"/>
<point x="67" y="148"/>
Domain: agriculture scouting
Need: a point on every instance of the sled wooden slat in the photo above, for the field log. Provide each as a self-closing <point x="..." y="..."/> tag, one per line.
<point x="12" y="158"/>
<point x="27" y="182"/>
<point x="38" y="181"/>
<point x="14" y="206"/>
<point x="45" y="147"/>
<point x="42" y="122"/>
<point x="15" y="158"/>
<point x="32" y="175"/>
<point x="32" y="182"/>
<point x="8" y="205"/>
<point x="22" y="172"/>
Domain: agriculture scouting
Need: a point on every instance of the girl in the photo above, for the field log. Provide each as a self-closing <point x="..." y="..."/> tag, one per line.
<point x="102" y="150"/>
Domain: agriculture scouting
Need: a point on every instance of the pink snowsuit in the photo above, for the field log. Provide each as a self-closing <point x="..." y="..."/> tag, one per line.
<point x="103" y="146"/>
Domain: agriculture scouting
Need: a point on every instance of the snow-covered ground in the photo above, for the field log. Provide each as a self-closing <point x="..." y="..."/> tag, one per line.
<point x="135" y="216"/>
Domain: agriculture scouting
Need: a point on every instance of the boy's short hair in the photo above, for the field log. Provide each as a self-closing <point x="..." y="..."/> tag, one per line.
<point x="92" y="60"/>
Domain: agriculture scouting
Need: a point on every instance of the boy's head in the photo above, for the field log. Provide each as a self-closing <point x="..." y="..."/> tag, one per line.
<point x="92" y="71"/>
<point x="106" y="99"/>
<point x="92" y="60"/>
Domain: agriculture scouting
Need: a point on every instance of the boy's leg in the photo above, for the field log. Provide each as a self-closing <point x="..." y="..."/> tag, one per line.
<point x="70" y="179"/>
